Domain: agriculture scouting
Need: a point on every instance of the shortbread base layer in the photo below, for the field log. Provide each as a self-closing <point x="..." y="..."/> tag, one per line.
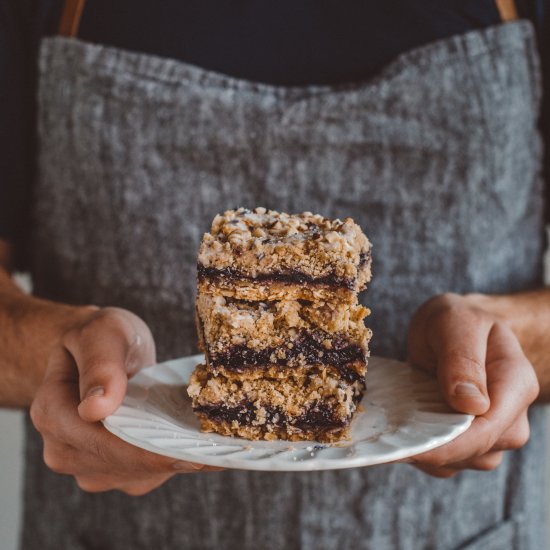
<point x="229" y="323"/>
<point x="274" y="371"/>
<point x="272" y="432"/>
<point x="261" y="291"/>
<point x="297" y="404"/>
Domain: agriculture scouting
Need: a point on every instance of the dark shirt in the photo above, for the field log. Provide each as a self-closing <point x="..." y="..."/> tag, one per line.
<point x="287" y="42"/>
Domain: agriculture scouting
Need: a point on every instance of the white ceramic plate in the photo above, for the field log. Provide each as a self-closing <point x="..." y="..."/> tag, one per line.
<point x="404" y="415"/>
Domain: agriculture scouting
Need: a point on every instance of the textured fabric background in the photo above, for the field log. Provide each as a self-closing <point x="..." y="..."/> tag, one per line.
<point x="438" y="159"/>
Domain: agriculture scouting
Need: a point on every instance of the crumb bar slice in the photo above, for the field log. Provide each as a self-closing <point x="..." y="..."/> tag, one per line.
<point x="279" y="321"/>
<point x="263" y="255"/>
<point x="299" y="404"/>
<point x="241" y="336"/>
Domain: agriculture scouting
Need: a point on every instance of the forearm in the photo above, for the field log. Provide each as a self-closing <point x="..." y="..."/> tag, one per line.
<point x="29" y="327"/>
<point x="528" y="315"/>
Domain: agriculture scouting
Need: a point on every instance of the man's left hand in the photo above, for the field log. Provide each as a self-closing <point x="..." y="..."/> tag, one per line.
<point x="482" y="370"/>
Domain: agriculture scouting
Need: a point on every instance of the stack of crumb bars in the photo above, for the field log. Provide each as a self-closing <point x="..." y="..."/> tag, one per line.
<point x="279" y="321"/>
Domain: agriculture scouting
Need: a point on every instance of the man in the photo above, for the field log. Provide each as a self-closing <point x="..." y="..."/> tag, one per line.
<point x="435" y="151"/>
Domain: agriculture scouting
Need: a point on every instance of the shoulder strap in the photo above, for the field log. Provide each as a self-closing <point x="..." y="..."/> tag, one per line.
<point x="508" y="10"/>
<point x="70" y="18"/>
<point x="72" y="12"/>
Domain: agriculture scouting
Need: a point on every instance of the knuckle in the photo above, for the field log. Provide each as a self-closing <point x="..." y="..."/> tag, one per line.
<point x="92" y="486"/>
<point x="486" y="439"/>
<point x="39" y="413"/>
<point x="445" y="301"/>
<point x="534" y="394"/>
<point x="490" y="462"/>
<point x="115" y="319"/>
<point x="434" y="306"/>
<point x="486" y="447"/>
<point x="437" y="460"/>
<point x="137" y="491"/>
<point x="442" y="473"/>
<point x="463" y="365"/>
<point x="49" y="424"/>
<point x="533" y="387"/>
<point x="87" y="331"/>
<point x="519" y="438"/>
<point x="155" y="463"/>
<point x="451" y="309"/>
<point x="54" y="461"/>
<point x="520" y="442"/>
<point x="100" y="367"/>
<point x="516" y="443"/>
<point x="73" y="335"/>
<point x="445" y="474"/>
<point x="142" y="487"/>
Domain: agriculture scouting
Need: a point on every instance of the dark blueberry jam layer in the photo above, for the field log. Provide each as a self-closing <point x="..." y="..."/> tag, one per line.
<point x="240" y="358"/>
<point x="320" y="417"/>
<point x="364" y="258"/>
<point x="294" y="277"/>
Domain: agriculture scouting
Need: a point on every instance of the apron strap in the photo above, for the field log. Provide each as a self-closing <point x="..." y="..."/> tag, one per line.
<point x="507" y="9"/>
<point x="72" y="12"/>
<point x="70" y="18"/>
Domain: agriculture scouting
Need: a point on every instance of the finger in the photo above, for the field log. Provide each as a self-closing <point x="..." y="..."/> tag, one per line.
<point x="512" y="386"/>
<point x="140" y="488"/>
<point x="506" y="363"/>
<point x="485" y="463"/>
<point x="458" y="339"/>
<point x="96" y="449"/>
<point x="443" y="473"/>
<point x="61" y="374"/>
<point x="103" y="350"/>
<point x="516" y="436"/>
<point x="59" y="457"/>
<point x="94" y="483"/>
<point x="100" y="483"/>
<point x="61" y="369"/>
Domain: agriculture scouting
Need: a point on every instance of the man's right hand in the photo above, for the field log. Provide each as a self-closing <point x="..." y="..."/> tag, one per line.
<point x="85" y="381"/>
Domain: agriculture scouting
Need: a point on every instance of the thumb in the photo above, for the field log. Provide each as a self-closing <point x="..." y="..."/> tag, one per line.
<point x="463" y="381"/>
<point x="460" y="349"/>
<point x="103" y="383"/>
<point x="104" y="351"/>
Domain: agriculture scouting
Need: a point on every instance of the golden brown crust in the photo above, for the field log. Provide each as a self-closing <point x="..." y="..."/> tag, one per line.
<point x="259" y="325"/>
<point x="265" y="433"/>
<point x="280" y="324"/>
<point x="273" y="371"/>
<point x="255" y="291"/>
<point x="294" y="393"/>
<point x="303" y="404"/>
<point x="264" y="241"/>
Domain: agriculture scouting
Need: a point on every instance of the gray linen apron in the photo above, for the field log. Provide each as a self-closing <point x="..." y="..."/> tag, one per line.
<point x="438" y="158"/>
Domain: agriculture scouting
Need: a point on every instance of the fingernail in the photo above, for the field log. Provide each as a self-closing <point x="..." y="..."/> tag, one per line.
<point x="182" y="465"/>
<point x="467" y="389"/>
<point x="95" y="392"/>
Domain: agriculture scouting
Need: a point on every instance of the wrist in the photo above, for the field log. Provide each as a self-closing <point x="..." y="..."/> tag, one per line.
<point x="31" y="328"/>
<point x="46" y="323"/>
<point x="527" y="314"/>
<point x="499" y="306"/>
